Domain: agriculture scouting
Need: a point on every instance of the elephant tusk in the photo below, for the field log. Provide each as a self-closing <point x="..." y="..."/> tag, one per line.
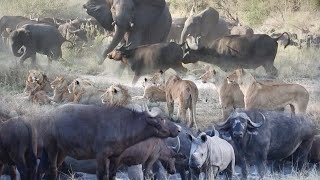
<point x="113" y="23"/>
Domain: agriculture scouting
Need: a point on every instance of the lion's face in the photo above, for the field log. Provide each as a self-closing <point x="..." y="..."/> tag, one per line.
<point x="115" y="95"/>
<point x="156" y="80"/>
<point x="35" y="76"/>
<point x="210" y="76"/>
<point x="58" y="83"/>
<point x="236" y="76"/>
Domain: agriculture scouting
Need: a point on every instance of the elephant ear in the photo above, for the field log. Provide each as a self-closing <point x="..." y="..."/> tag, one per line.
<point x="209" y="21"/>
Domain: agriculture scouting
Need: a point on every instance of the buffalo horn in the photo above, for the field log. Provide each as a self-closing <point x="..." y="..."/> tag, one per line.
<point x="257" y="125"/>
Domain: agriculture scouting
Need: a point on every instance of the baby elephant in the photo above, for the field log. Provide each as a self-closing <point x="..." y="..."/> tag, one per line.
<point x="211" y="155"/>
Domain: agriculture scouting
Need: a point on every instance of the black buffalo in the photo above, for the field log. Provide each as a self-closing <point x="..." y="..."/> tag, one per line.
<point x="95" y="132"/>
<point x="237" y="51"/>
<point x="18" y="148"/>
<point x="30" y="39"/>
<point x="266" y="135"/>
<point x="150" y="58"/>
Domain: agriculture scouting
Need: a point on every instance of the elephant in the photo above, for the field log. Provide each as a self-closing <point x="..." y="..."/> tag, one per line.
<point x="137" y="22"/>
<point x="30" y="39"/>
<point x="176" y="29"/>
<point x="205" y="24"/>
<point x="242" y="30"/>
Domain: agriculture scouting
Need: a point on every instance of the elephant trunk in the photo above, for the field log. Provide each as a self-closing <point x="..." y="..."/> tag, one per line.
<point x="118" y="36"/>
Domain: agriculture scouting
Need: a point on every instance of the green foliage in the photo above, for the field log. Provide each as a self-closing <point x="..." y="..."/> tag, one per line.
<point x="254" y="11"/>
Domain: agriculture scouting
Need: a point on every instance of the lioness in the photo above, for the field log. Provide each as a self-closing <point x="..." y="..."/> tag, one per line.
<point x="154" y="89"/>
<point x="259" y="95"/>
<point x="230" y="95"/>
<point x="60" y="91"/>
<point x="35" y="76"/>
<point x="84" y="94"/>
<point x="184" y="92"/>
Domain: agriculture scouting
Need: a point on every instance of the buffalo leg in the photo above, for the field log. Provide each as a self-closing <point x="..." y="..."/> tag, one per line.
<point x="31" y="161"/>
<point x="52" y="158"/>
<point x="271" y="70"/>
<point x="244" y="168"/>
<point x="302" y="153"/>
<point x="261" y="166"/>
<point x="149" y="165"/>
<point x="103" y="165"/>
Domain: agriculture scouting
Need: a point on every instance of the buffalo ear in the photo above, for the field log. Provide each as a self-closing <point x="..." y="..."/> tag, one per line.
<point x="204" y="138"/>
<point x="190" y="137"/>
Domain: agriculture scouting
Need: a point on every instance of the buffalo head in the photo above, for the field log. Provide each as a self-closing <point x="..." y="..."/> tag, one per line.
<point x="162" y="125"/>
<point x="239" y="124"/>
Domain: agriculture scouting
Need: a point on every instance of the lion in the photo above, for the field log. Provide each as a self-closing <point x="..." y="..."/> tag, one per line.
<point x="60" y="91"/>
<point x="258" y="95"/>
<point x="184" y="92"/>
<point x="84" y="93"/>
<point x="38" y="96"/>
<point x="230" y="95"/>
<point x="118" y="95"/>
<point x="35" y="76"/>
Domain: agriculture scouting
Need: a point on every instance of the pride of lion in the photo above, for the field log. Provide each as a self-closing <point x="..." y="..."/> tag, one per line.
<point x="238" y="89"/>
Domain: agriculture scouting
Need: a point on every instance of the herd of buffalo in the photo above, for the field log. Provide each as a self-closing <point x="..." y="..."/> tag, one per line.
<point x="150" y="143"/>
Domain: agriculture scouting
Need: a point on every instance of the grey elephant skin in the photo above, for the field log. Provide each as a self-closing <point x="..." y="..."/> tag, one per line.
<point x="205" y="24"/>
<point x="30" y="39"/>
<point x="138" y="22"/>
<point x="237" y="51"/>
<point x="269" y="135"/>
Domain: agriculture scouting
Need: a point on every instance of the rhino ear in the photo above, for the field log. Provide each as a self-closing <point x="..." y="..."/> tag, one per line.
<point x="204" y="138"/>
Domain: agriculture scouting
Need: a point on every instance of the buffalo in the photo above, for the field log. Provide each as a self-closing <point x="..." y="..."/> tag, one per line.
<point x="150" y="58"/>
<point x="18" y="147"/>
<point x="182" y="145"/>
<point x="146" y="153"/>
<point x="36" y="38"/>
<point x="269" y="135"/>
<point x="234" y="51"/>
<point x="95" y="132"/>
